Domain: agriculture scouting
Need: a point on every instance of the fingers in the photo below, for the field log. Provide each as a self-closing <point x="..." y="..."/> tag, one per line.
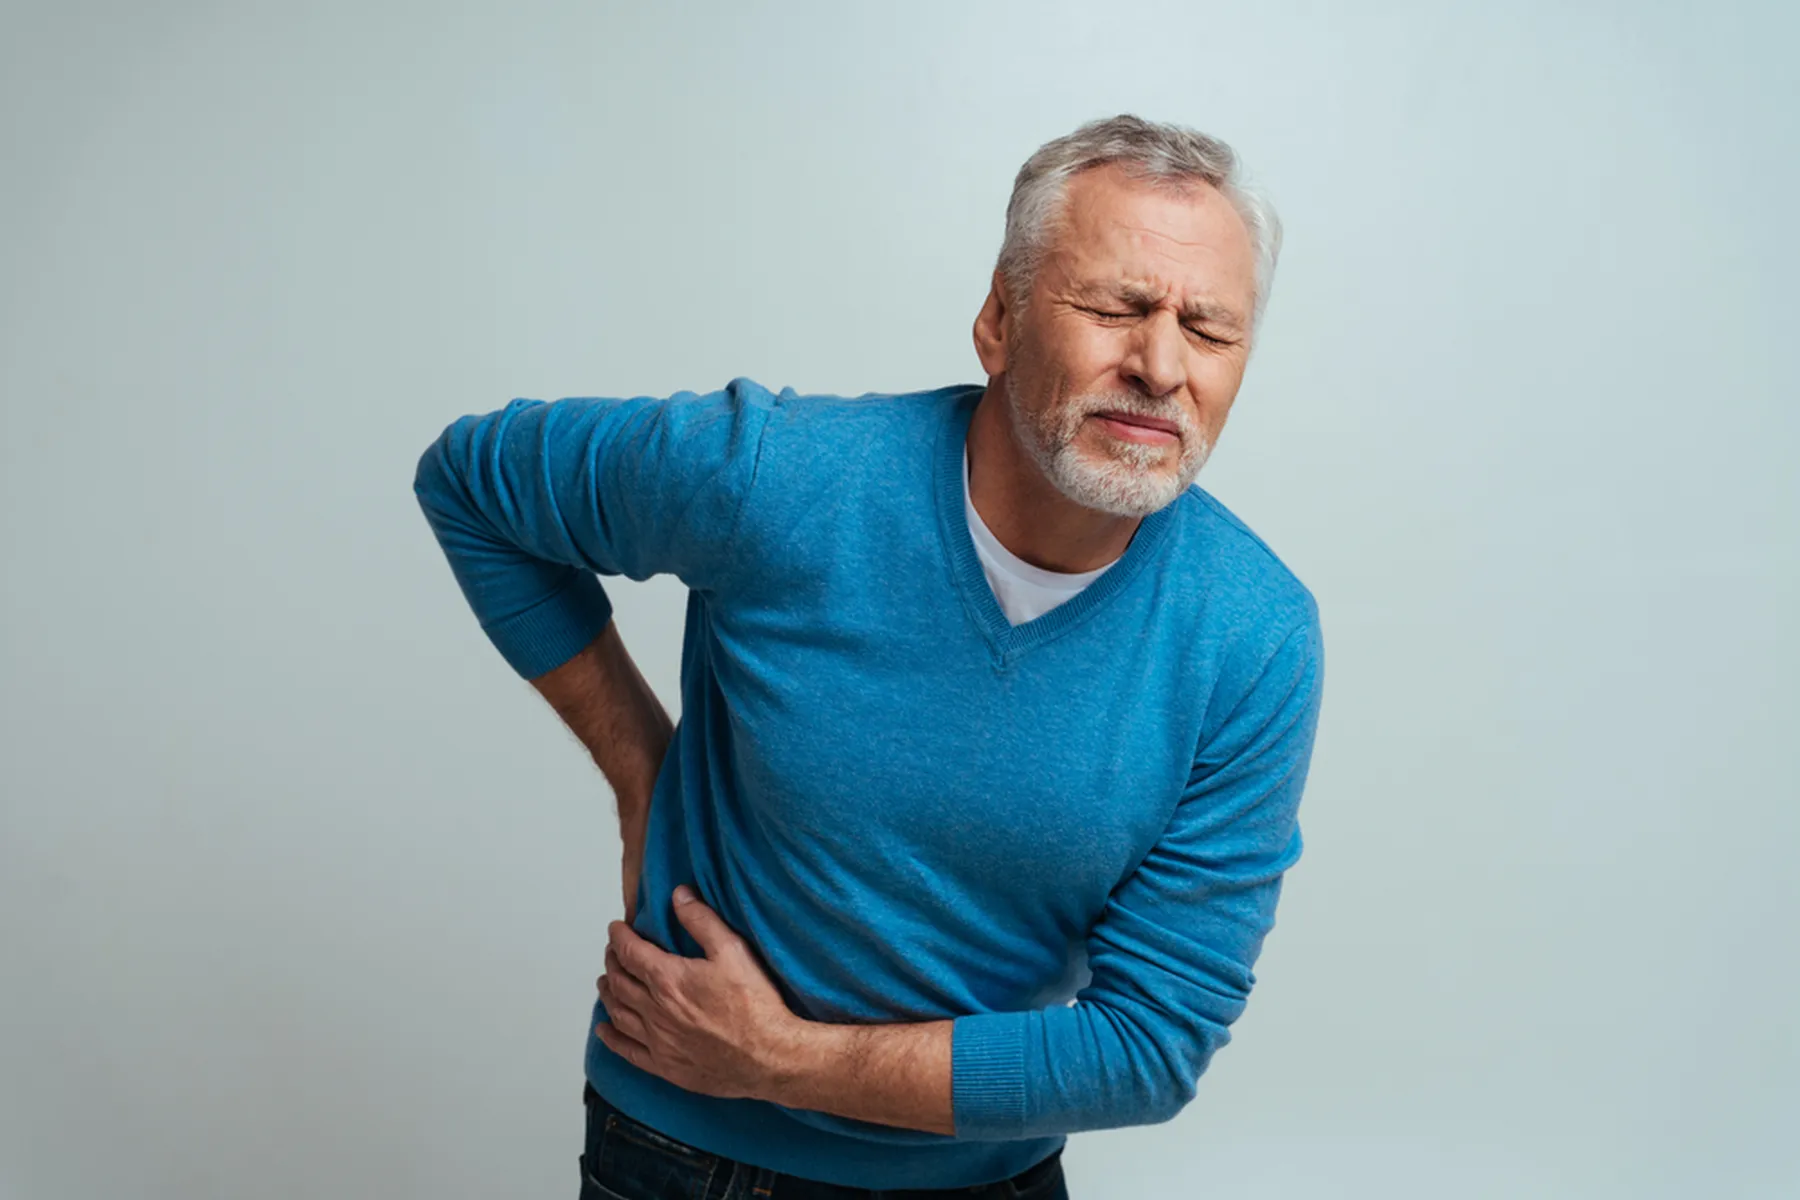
<point x="635" y="955"/>
<point x="626" y="1047"/>
<point x="624" y="1012"/>
<point x="618" y="984"/>
<point x="709" y="929"/>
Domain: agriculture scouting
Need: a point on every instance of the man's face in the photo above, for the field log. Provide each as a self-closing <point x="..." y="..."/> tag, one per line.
<point x="1141" y="309"/>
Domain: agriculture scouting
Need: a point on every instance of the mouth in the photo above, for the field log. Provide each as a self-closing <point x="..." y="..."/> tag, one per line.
<point x="1140" y="428"/>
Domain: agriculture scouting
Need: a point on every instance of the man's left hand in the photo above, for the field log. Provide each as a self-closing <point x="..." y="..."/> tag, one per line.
<point x="714" y="1025"/>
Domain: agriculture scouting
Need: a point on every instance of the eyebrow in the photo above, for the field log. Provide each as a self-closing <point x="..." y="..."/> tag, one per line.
<point x="1142" y="297"/>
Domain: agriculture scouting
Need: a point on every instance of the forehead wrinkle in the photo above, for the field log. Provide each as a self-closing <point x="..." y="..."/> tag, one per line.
<point x="1159" y="235"/>
<point x="1146" y="237"/>
<point x="1090" y="266"/>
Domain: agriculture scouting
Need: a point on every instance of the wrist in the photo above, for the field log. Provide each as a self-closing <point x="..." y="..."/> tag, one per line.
<point x="795" y="1058"/>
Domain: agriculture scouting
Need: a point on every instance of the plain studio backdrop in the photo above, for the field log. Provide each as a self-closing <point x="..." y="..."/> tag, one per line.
<point x="303" y="893"/>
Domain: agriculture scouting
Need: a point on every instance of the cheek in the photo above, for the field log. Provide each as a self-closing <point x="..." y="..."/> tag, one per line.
<point x="1083" y="351"/>
<point x="1214" y="385"/>
<point x="1215" y="374"/>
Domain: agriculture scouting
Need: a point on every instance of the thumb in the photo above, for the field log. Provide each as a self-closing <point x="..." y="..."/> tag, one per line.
<point x="708" y="928"/>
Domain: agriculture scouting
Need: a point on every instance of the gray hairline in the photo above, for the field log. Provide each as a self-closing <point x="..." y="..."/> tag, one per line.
<point x="1161" y="155"/>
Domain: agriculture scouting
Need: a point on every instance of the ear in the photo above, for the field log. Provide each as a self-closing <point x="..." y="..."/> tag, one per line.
<point x="992" y="324"/>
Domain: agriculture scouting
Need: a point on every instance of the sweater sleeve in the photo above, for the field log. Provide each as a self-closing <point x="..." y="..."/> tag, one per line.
<point x="531" y="501"/>
<point x="1170" y="956"/>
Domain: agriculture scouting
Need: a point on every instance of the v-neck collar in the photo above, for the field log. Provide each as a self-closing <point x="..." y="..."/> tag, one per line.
<point x="1006" y="640"/>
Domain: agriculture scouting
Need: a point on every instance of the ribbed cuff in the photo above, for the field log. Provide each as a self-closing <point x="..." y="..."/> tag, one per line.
<point x="551" y="632"/>
<point x="987" y="1075"/>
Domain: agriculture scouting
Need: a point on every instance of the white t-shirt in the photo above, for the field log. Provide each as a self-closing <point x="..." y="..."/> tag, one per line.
<point x="1025" y="592"/>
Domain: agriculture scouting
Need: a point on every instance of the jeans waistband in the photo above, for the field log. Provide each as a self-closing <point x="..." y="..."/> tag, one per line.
<point x="1023" y="1180"/>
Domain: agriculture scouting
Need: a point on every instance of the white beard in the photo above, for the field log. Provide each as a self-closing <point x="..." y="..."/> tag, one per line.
<point x="1131" y="481"/>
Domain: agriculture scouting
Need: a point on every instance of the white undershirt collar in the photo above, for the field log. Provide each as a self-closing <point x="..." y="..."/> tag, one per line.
<point x="1003" y="559"/>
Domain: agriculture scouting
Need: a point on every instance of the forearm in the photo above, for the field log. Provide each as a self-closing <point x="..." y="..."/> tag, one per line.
<point x="606" y="703"/>
<point x="888" y="1074"/>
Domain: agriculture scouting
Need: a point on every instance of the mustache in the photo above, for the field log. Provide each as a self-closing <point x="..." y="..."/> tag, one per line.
<point x="1127" y="402"/>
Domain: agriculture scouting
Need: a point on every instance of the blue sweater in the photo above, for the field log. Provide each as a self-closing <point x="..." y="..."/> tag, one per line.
<point x="1067" y="835"/>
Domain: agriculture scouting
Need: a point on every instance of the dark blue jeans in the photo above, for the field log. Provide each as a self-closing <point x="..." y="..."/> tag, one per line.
<point x="627" y="1160"/>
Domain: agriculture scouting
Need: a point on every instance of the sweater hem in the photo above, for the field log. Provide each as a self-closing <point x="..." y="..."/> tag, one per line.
<point x="771" y="1136"/>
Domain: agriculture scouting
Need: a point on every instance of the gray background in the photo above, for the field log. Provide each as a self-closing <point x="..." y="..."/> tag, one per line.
<point x="303" y="894"/>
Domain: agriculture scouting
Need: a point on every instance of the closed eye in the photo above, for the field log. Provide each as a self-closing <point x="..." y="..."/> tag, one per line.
<point x="1111" y="315"/>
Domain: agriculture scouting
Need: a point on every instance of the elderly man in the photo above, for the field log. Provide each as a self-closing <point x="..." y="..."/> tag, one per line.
<point x="994" y="723"/>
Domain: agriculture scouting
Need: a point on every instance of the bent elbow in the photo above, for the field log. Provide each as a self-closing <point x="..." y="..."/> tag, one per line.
<point x="431" y="471"/>
<point x="1185" y="1058"/>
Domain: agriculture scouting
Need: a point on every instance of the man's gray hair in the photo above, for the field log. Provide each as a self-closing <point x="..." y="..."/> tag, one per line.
<point x="1152" y="151"/>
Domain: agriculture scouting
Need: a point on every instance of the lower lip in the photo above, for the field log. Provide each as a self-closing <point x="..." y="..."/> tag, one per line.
<point x="1137" y="433"/>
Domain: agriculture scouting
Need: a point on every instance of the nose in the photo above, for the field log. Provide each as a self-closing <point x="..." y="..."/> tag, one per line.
<point x="1153" y="361"/>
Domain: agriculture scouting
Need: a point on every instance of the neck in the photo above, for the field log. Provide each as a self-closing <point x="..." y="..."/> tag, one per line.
<point x="1024" y="510"/>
